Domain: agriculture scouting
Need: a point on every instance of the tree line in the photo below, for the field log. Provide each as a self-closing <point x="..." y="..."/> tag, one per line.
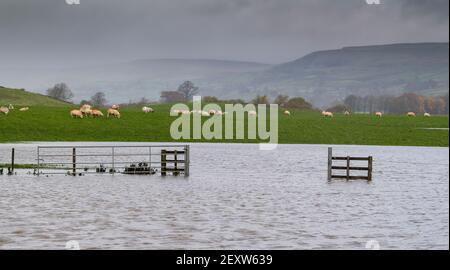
<point x="408" y="102"/>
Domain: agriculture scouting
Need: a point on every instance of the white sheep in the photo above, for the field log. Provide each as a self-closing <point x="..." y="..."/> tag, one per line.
<point x="147" y="109"/>
<point x="4" y="110"/>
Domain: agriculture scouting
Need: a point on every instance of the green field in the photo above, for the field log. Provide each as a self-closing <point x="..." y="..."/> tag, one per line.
<point x="20" y="97"/>
<point x="45" y="123"/>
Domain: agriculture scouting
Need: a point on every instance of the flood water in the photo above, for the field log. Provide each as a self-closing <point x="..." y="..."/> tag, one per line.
<point x="236" y="197"/>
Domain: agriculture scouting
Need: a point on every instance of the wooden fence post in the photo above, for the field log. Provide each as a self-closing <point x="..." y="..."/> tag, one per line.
<point x="186" y="161"/>
<point x="74" y="161"/>
<point x="330" y="161"/>
<point x="12" y="160"/>
<point x="369" y="172"/>
<point x="348" y="168"/>
<point x="163" y="163"/>
<point x="175" y="158"/>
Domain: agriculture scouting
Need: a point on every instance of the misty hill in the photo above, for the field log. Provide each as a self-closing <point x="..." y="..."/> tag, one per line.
<point x="129" y="80"/>
<point x="326" y="76"/>
<point x="20" y="97"/>
<point x="322" y="77"/>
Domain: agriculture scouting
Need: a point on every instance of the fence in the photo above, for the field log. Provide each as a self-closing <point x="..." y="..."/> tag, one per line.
<point x="144" y="160"/>
<point x="348" y="167"/>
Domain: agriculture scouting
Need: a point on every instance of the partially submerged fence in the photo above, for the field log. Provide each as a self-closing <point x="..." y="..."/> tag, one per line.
<point x="348" y="167"/>
<point x="142" y="160"/>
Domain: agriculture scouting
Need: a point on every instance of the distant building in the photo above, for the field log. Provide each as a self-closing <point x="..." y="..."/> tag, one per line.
<point x="172" y="97"/>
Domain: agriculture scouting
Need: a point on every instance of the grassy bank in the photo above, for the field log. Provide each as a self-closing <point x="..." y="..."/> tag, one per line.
<point x="55" y="124"/>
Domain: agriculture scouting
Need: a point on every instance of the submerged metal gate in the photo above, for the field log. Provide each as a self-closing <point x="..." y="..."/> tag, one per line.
<point x="143" y="160"/>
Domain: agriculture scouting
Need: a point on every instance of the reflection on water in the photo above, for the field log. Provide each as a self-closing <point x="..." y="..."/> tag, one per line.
<point x="237" y="197"/>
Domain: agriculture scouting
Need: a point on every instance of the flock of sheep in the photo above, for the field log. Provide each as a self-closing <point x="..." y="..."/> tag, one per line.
<point x="215" y="112"/>
<point x="377" y="114"/>
<point x="5" y="110"/>
<point x="87" y="111"/>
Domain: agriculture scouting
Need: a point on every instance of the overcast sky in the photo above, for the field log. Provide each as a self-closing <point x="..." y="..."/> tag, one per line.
<point x="52" y="33"/>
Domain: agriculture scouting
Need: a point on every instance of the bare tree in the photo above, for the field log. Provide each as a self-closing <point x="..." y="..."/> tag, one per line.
<point x="60" y="91"/>
<point x="260" y="100"/>
<point x="281" y="100"/>
<point x="188" y="89"/>
<point x="98" y="99"/>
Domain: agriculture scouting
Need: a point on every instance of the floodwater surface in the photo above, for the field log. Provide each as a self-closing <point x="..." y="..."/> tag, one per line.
<point x="236" y="197"/>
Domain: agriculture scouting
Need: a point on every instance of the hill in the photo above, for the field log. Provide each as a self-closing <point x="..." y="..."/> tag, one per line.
<point x="322" y="77"/>
<point x="326" y="76"/>
<point x="20" y="97"/>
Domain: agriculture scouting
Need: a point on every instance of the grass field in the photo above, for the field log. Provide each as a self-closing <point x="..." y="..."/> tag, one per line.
<point x="20" y="97"/>
<point x="55" y="124"/>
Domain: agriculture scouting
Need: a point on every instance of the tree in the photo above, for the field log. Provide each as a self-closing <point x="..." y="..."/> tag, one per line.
<point x="60" y="91"/>
<point x="83" y="102"/>
<point x="281" y="100"/>
<point x="299" y="103"/>
<point x="339" y="108"/>
<point x="210" y="99"/>
<point x="260" y="100"/>
<point x="98" y="99"/>
<point x="188" y="89"/>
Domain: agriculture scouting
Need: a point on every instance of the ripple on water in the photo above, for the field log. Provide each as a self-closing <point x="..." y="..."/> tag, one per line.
<point x="237" y="197"/>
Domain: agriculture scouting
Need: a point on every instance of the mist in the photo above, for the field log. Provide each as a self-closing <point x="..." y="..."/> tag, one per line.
<point x="51" y="33"/>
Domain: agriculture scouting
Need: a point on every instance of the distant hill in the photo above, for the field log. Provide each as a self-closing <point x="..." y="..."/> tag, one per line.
<point x="326" y="76"/>
<point x="20" y="97"/>
<point x="322" y="77"/>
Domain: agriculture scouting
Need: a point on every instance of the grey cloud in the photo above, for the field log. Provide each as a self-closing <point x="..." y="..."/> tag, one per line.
<point x="50" y="32"/>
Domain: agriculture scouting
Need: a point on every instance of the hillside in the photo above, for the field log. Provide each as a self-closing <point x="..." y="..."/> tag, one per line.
<point x="327" y="76"/>
<point x="322" y="77"/>
<point x="20" y="97"/>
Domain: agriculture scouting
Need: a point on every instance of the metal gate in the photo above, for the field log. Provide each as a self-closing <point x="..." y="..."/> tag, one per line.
<point x="143" y="160"/>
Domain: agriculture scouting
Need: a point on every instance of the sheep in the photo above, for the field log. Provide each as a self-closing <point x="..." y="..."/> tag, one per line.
<point x="287" y="113"/>
<point x="112" y="112"/>
<point x="96" y="113"/>
<point x="115" y="107"/>
<point x="4" y="110"/>
<point x="379" y="114"/>
<point x="147" y="109"/>
<point x="24" y="109"/>
<point x="11" y="107"/>
<point x="346" y="113"/>
<point x="252" y="113"/>
<point x="212" y="112"/>
<point x="427" y="115"/>
<point x="411" y="114"/>
<point x="205" y="113"/>
<point x="86" y="109"/>
<point x="76" y="114"/>
<point x="327" y="114"/>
